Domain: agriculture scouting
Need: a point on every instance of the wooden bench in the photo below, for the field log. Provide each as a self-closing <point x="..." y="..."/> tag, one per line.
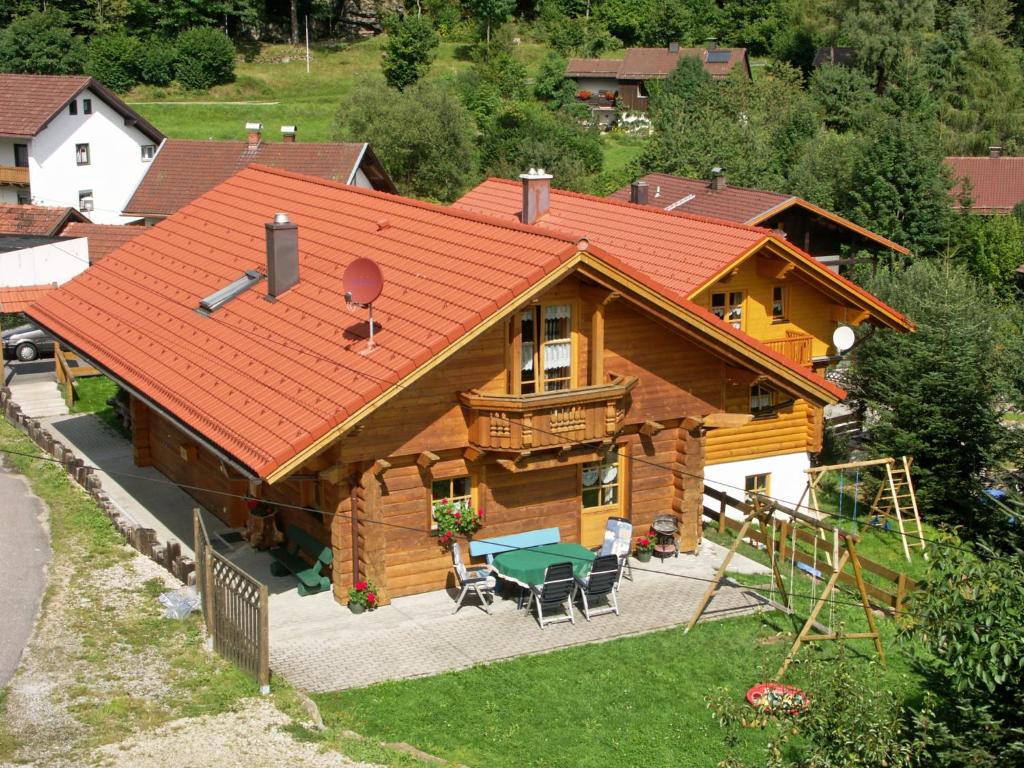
<point x="305" y="558"/>
<point x="490" y="547"/>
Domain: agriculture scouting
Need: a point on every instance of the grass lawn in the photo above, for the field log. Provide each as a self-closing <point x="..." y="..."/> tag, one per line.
<point x="620" y="150"/>
<point x="91" y="395"/>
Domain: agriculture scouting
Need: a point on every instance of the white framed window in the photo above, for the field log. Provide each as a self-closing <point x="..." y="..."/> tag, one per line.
<point x="599" y="482"/>
<point x="86" y="106"/>
<point x="761" y="398"/>
<point x="546" y="355"/>
<point x="728" y="306"/>
<point x="82" y="154"/>
<point x="457" y="490"/>
<point x="148" y="152"/>
<point x="85" y="201"/>
<point x="779" y="303"/>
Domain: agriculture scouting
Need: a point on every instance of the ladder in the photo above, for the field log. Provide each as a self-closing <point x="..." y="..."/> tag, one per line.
<point x="896" y="498"/>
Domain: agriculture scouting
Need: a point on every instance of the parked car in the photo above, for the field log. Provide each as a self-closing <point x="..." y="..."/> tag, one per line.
<point x="26" y="343"/>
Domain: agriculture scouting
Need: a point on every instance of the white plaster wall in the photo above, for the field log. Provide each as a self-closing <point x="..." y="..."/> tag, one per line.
<point x="787" y="483"/>
<point x="596" y="84"/>
<point x="44" y="264"/>
<point x="360" y="180"/>
<point x="115" y="154"/>
<point x="9" y="194"/>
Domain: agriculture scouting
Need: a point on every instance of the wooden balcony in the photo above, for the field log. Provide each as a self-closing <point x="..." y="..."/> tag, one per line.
<point x="797" y="347"/>
<point x="516" y="423"/>
<point x="11" y="176"/>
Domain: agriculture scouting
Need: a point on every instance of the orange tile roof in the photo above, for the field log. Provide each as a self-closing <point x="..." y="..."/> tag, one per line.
<point x="104" y="239"/>
<point x="266" y="381"/>
<point x="996" y="183"/>
<point x="20" y="298"/>
<point x="681" y="251"/>
<point x="35" y="219"/>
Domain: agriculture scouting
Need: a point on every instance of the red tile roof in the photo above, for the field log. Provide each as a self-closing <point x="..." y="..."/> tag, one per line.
<point x="29" y="102"/>
<point x="744" y="205"/>
<point x="681" y="251"/>
<point x="658" y="63"/>
<point x="104" y="239"/>
<point x="996" y="183"/>
<point x="266" y="381"/>
<point x="35" y="219"/>
<point x="20" y="298"/>
<point x="184" y="170"/>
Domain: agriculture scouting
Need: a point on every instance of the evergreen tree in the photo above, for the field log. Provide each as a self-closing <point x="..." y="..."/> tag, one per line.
<point x="408" y="51"/>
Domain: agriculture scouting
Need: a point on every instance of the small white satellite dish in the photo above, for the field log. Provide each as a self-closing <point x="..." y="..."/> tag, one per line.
<point x="843" y="338"/>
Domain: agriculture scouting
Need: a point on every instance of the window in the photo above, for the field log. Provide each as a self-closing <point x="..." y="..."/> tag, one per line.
<point x="86" y="106"/>
<point x="757" y="484"/>
<point x="546" y="355"/>
<point x="72" y="107"/>
<point x="458" y="490"/>
<point x="21" y="155"/>
<point x="148" y="152"/>
<point x="600" y="481"/>
<point x="778" y="303"/>
<point x="82" y="154"/>
<point x="728" y="306"/>
<point x="85" y="202"/>
<point x="24" y="198"/>
<point x="761" y="398"/>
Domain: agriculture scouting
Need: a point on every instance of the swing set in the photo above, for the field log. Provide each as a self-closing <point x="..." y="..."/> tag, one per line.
<point x="775" y="533"/>
<point x="895" y="498"/>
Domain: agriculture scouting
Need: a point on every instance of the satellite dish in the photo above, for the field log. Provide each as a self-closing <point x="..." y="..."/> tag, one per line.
<point x="363" y="281"/>
<point x="843" y="338"/>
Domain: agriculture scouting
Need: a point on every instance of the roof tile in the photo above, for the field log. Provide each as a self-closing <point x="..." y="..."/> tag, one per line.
<point x="104" y="239"/>
<point x="35" y="219"/>
<point x="996" y="183"/>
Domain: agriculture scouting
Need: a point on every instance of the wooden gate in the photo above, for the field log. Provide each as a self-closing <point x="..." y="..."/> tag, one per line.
<point x="235" y="609"/>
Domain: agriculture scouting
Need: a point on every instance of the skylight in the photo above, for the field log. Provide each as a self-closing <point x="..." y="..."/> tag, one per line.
<point x="220" y="297"/>
<point x="718" y="57"/>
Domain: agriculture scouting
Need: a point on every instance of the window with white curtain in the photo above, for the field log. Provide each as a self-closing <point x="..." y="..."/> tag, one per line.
<point x="546" y="348"/>
<point x="600" y="481"/>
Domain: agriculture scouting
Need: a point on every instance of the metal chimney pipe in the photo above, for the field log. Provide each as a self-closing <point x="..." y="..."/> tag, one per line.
<point x="638" y="192"/>
<point x="254" y="134"/>
<point x="282" y="255"/>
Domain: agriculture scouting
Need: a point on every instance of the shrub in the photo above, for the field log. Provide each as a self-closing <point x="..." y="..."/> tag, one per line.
<point x="41" y="43"/>
<point x="156" y="61"/>
<point x="408" y="50"/>
<point x="206" y="58"/>
<point x="113" y="60"/>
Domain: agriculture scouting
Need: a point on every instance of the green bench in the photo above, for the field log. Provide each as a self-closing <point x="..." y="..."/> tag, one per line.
<point x="304" y="557"/>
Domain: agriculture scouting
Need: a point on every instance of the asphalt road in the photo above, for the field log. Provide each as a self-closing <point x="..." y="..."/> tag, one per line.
<point x="24" y="552"/>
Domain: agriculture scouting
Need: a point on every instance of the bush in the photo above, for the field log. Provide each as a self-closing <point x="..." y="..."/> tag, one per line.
<point x="156" y="61"/>
<point x="408" y="50"/>
<point x="206" y="58"/>
<point x="114" y="61"/>
<point x="41" y="43"/>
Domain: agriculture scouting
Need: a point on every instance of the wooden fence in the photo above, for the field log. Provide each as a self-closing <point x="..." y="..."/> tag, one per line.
<point x="887" y="589"/>
<point x="235" y="609"/>
<point x="68" y="369"/>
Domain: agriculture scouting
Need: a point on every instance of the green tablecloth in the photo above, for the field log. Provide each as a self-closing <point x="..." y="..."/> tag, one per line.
<point x="527" y="566"/>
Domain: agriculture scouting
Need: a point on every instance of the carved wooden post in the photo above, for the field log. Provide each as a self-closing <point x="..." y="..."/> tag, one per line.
<point x="372" y="539"/>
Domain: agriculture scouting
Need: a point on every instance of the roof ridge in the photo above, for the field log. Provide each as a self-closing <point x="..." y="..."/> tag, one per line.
<point x="787" y="195"/>
<point x="647" y="208"/>
<point x="479" y="218"/>
<point x="214" y="142"/>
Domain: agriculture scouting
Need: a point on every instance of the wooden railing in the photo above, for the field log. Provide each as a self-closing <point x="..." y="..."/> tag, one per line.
<point x="235" y="609"/>
<point x="12" y="175"/>
<point x="887" y="589"/>
<point x="68" y="369"/>
<point x="546" y="419"/>
<point x="797" y="347"/>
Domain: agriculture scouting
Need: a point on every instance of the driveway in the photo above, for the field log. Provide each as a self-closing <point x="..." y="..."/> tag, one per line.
<point x="24" y="553"/>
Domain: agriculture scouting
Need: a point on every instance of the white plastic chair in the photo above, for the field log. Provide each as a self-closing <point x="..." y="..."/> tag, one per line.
<point x="477" y="579"/>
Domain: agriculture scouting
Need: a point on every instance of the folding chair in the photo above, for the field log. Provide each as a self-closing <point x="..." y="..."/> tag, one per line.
<point x="600" y="585"/>
<point x="557" y="589"/>
<point x="618" y="541"/>
<point x="477" y="579"/>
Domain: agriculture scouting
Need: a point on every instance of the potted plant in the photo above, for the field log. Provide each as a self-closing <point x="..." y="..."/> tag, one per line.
<point x="644" y="548"/>
<point x="583" y="95"/>
<point x="362" y="597"/>
<point x="456" y="520"/>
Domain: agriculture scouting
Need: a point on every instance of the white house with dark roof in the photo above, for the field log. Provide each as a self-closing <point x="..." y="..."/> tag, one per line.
<point x="69" y="141"/>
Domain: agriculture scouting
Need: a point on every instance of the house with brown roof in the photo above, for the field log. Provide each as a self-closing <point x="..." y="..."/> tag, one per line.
<point x="185" y="170"/>
<point x="66" y="140"/>
<point x="600" y="82"/>
<point x="827" y="236"/>
<point x="750" y="279"/>
<point x="36" y="219"/>
<point x="993" y="184"/>
<point x="102" y="239"/>
<point x="523" y="363"/>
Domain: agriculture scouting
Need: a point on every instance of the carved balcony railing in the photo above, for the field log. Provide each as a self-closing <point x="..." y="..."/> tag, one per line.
<point x="510" y="423"/>
<point x="11" y="175"/>
<point x="797" y="347"/>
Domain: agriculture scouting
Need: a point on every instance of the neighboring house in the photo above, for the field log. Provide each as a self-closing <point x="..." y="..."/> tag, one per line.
<point x="36" y="219"/>
<point x="994" y="184"/>
<point x="66" y="140"/>
<point x="32" y="265"/>
<point x="821" y="233"/>
<point x="605" y="80"/>
<point x="538" y="374"/>
<point x="103" y="239"/>
<point x="185" y="170"/>
<point x="760" y="285"/>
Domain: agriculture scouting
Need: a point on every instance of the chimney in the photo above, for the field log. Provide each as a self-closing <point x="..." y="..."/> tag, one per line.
<point x="673" y="47"/>
<point x="288" y="133"/>
<point x="255" y="131"/>
<point x="995" y="152"/>
<point x="638" y="192"/>
<point x="717" y="178"/>
<point x="711" y="43"/>
<point x="536" y="194"/>
<point x="282" y="255"/>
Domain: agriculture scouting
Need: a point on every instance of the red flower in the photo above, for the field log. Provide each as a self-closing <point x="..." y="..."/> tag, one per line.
<point x="371" y="597"/>
<point x="457" y="514"/>
<point x="360" y="586"/>
<point x="480" y="514"/>
<point x="252" y="504"/>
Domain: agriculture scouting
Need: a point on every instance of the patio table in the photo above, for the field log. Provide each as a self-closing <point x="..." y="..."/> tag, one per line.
<point x="526" y="567"/>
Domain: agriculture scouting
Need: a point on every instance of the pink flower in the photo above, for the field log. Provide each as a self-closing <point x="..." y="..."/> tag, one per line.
<point x="371" y="598"/>
<point x="458" y="515"/>
<point x="360" y="586"/>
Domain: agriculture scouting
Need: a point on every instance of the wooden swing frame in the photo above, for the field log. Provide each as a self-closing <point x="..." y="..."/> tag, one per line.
<point x="886" y="503"/>
<point x="764" y="514"/>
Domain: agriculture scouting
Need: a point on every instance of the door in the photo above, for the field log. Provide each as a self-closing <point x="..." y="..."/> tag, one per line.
<point x="601" y="485"/>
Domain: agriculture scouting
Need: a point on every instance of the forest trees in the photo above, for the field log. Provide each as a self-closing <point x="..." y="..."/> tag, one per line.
<point x="409" y="49"/>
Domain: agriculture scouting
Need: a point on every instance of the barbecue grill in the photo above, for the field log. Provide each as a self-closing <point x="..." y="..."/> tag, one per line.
<point x="665" y="528"/>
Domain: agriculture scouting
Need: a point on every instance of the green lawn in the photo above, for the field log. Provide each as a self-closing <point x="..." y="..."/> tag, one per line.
<point x="620" y="150"/>
<point x="91" y="395"/>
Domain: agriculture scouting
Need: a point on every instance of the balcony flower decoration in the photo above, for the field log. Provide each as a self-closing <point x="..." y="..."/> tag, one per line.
<point x="362" y="597"/>
<point x="455" y="519"/>
<point x="583" y="95"/>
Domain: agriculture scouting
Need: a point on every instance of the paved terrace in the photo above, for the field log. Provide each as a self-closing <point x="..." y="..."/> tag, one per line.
<point x="317" y="645"/>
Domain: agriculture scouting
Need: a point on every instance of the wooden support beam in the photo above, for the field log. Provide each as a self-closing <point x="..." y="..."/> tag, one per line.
<point x="334" y="473"/>
<point x="471" y="454"/>
<point x="427" y="459"/>
<point x="508" y="465"/>
<point x="380" y="466"/>
<point x="597" y="345"/>
<point x="849" y="315"/>
<point x="740" y="376"/>
<point x="772" y="268"/>
<point x="691" y="423"/>
<point x="727" y="420"/>
<point x="651" y="428"/>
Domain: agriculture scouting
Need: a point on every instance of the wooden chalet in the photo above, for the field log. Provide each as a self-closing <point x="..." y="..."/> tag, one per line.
<point x="531" y="370"/>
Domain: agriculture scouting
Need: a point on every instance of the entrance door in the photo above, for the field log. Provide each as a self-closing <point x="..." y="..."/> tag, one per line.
<point x="600" y="497"/>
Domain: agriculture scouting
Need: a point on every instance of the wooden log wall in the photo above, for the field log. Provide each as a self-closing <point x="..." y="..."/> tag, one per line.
<point x="787" y="431"/>
<point x="140" y="433"/>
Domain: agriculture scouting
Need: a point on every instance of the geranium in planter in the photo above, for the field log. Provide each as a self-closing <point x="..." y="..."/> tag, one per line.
<point x="644" y="547"/>
<point x="362" y="597"/>
<point x="583" y="95"/>
<point x="455" y="519"/>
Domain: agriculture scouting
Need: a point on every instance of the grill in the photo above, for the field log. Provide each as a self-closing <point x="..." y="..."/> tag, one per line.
<point x="665" y="528"/>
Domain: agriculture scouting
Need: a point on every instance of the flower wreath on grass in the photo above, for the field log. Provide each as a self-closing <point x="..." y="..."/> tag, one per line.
<point x="364" y="594"/>
<point x="455" y="520"/>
